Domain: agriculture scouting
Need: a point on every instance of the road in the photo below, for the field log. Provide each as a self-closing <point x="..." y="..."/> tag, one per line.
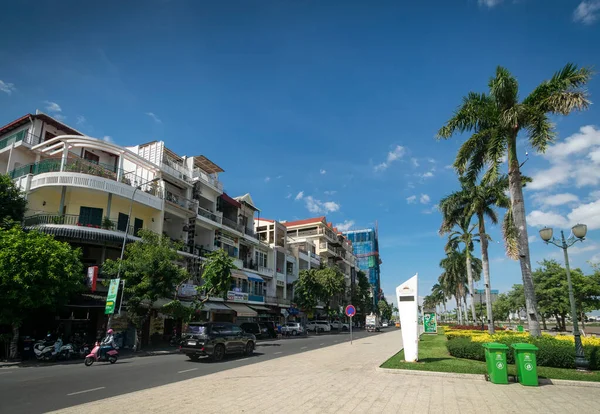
<point x="52" y="387"/>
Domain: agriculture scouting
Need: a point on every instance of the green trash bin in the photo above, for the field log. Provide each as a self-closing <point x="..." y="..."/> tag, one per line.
<point x="495" y="360"/>
<point x="520" y="328"/>
<point x="526" y="364"/>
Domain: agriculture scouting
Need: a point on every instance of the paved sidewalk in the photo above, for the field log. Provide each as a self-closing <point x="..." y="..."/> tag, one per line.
<point x="343" y="379"/>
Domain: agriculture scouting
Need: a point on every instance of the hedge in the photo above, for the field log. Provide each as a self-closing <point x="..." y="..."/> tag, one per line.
<point x="552" y="352"/>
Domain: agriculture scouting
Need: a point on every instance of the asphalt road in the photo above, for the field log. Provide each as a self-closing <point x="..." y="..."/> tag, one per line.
<point x="45" y="388"/>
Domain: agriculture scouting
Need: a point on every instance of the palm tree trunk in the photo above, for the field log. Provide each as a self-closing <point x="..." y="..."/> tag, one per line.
<point x="486" y="273"/>
<point x="471" y="286"/>
<point x="518" y="208"/>
<point x="466" y="307"/>
<point x="458" y="308"/>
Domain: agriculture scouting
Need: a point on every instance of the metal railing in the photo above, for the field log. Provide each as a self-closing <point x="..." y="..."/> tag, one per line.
<point x="232" y="224"/>
<point x="181" y="201"/>
<point x="208" y="214"/>
<point x="21" y="136"/>
<point x="198" y="173"/>
<point x="75" y="220"/>
<point x="277" y="300"/>
<point x="266" y="270"/>
<point x="250" y="232"/>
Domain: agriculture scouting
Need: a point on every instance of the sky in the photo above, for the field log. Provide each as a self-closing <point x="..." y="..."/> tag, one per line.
<point x="320" y="108"/>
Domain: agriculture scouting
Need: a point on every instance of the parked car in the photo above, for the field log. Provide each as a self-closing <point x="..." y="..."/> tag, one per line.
<point x="255" y="328"/>
<point x="292" y="328"/>
<point x="271" y="328"/>
<point x="339" y="325"/>
<point x="215" y="340"/>
<point x="384" y="324"/>
<point x="318" y="326"/>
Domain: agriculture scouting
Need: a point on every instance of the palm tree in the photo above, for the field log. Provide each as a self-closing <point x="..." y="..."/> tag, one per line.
<point x="454" y="277"/>
<point x="438" y="292"/>
<point x="479" y="201"/>
<point x="496" y="120"/>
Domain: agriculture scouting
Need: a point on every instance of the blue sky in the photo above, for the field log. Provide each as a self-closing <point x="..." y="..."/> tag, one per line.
<point x="318" y="107"/>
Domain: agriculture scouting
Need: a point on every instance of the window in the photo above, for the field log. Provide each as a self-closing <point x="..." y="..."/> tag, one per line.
<point x="137" y="225"/>
<point x="91" y="157"/>
<point x="122" y="222"/>
<point x="261" y="258"/>
<point x="236" y="330"/>
<point x="90" y="215"/>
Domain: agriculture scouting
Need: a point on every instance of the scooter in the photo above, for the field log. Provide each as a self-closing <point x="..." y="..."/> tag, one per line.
<point x="111" y="356"/>
<point x="51" y="350"/>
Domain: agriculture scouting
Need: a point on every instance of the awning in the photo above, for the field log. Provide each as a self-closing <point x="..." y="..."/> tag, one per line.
<point x="242" y="310"/>
<point x="254" y="277"/>
<point x="215" y="306"/>
<point x="84" y="233"/>
<point x="239" y="274"/>
<point x="260" y="308"/>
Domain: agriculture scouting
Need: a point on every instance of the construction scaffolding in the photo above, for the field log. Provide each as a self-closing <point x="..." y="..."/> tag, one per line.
<point x="365" y="244"/>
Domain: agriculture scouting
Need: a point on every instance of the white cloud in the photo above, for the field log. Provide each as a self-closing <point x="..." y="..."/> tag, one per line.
<point x="424" y="199"/>
<point x="330" y="192"/>
<point x="59" y="117"/>
<point x="323" y="172"/>
<point x="489" y="3"/>
<point x="587" y="12"/>
<point x="279" y="177"/>
<point x="80" y="120"/>
<point x="7" y="88"/>
<point x="288" y="196"/>
<point x="539" y="218"/>
<point x="415" y="162"/>
<point x="588" y="214"/>
<point x="428" y="174"/>
<point x="53" y="107"/>
<point x="412" y="199"/>
<point x="587" y="137"/>
<point x="432" y="209"/>
<point x="299" y="196"/>
<point x="267" y="179"/>
<point x="317" y="206"/>
<point x="449" y="167"/>
<point x="107" y="138"/>
<point x="532" y="239"/>
<point x="431" y="160"/>
<point x="392" y="156"/>
<point x="345" y="226"/>
<point x="154" y="117"/>
<point x="555" y="199"/>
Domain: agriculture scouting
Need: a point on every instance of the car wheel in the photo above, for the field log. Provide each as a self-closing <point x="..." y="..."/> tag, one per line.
<point x="249" y="348"/>
<point x="194" y="358"/>
<point x="218" y="352"/>
<point x="294" y="333"/>
<point x="345" y="328"/>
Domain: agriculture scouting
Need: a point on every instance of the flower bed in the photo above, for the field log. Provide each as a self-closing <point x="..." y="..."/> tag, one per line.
<point x="553" y="351"/>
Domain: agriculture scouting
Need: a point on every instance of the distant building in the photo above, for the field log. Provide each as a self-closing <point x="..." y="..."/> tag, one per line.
<point x="365" y="244"/>
<point x="479" y="296"/>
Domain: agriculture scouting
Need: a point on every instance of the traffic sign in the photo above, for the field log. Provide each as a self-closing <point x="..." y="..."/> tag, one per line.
<point x="350" y="311"/>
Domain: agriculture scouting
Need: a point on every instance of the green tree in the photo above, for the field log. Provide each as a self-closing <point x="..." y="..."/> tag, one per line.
<point x="150" y="272"/>
<point x="362" y="294"/>
<point x="12" y="203"/>
<point x="36" y="272"/>
<point x="502" y="307"/>
<point x="306" y="290"/>
<point x="478" y="201"/>
<point x="496" y="119"/>
<point x="385" y="309"/>
<point x="331" y="284"/>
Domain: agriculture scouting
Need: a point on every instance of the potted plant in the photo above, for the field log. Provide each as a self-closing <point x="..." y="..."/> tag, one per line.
<point x="58" y="220"/>
<point x="107" y="224"/>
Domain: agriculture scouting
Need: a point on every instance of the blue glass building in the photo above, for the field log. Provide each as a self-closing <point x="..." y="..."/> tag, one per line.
<point x="365" y="244"/>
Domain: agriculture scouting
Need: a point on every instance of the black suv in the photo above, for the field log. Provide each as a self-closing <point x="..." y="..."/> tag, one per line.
<point x="261" y="330"/>
<point x="216" y="339"/>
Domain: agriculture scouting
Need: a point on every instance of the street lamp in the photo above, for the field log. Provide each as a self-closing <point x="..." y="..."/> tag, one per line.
<point x="578" y="234"/>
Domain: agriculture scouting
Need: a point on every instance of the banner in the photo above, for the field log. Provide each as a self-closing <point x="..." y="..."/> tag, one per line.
<point x="92" y="275"/>
<point x="111" y="298"/>
<point x="429" y="323"/>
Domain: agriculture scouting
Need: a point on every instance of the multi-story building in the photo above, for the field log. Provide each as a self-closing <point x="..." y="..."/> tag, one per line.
<point x="366" y="249"/>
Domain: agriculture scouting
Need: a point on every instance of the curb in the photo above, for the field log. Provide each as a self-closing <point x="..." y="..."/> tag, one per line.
<point x="481" y="377"/>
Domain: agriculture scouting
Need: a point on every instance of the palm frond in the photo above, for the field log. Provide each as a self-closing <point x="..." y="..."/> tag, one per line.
<point x="471" y="115"/>
<point x="540" y="130"/>
<point x="504" y="89"/>
<point x="510" y="234"/>
<point x="491" y="214"/>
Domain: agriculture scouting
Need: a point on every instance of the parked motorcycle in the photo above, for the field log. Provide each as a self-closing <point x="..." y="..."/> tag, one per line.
<point x="49" y="350"/>
<point x="110" y="356"/>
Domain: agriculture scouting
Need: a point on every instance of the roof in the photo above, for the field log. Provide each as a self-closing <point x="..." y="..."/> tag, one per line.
<point x="265" y="219"/>
<point x="46" y="118"/>
<point x="305" y="221"/>
<point x="230" y="200"/>
<point x="247" y="199"/>
<point x="207" y="165"/>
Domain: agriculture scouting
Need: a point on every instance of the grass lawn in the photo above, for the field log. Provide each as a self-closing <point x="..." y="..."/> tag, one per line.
<point x="433" y="356"/>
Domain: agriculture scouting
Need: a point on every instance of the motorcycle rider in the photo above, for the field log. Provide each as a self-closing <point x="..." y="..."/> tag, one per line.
<point x="107" y="343"/>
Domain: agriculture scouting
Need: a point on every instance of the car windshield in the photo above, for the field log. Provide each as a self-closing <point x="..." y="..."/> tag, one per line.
<point x="196" y="329"/>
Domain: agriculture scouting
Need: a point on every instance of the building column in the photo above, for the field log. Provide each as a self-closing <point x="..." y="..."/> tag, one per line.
<point x="12" y="147"/>
<point x="120" y="168"/>
<point x="63" y="195"/>
<point x="108" y="205"/>
<point x="65" y="154"/>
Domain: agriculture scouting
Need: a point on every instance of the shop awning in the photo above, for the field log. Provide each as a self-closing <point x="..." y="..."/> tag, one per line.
<point x="260" y="308"/>
<point x="82" y="233"/>
<point x="215" y="306"/>
<point x="242" y="310"/>
<point x="254" y="277"/>
<point x="239" y="274"/>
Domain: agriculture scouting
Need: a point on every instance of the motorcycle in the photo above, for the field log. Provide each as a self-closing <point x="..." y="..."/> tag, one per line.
<point x="111" y="356"/>
<point x="49" y="350"/>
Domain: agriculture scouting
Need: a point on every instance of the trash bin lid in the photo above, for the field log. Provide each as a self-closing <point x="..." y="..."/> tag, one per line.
<point x="494" y="345"/>
<point x="524" y="347"/>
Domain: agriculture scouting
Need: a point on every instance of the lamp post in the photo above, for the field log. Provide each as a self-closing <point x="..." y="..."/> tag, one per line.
<point x="578" y="234"/>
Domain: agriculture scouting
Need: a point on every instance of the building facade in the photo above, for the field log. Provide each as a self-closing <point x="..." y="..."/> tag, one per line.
<point x="365" y="244"/>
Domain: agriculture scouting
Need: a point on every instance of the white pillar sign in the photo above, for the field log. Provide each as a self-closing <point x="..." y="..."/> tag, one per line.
<point x="408" y="307"/>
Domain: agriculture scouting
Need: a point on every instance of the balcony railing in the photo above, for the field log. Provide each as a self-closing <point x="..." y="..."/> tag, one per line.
<point x="21" y="136"/>
<point x="250" y="232"/>
<point x="201" y="175"/>
<point x="208" y="214"/>
<point x="278" y="300"/>
<point x="181" y="201"/>
<point x="76" y="220"/>
<point x="232" y="224"/>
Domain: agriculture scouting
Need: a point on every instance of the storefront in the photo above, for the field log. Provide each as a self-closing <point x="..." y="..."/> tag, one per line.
<point x="243" y="312"/>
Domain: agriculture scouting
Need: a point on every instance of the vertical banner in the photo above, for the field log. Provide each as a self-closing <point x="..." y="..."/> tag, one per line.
<point x="111" y="298"/>
<point x="429" y="323"/>
<point x="408" y="307"/>
<point x="92" y="275"/>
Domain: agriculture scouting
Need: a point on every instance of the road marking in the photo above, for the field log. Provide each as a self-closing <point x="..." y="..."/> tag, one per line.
<point x="243" y="359"/>
<point x="9" y="372"/>
<point x="187" y="370"/>
<point x="81" y="392"/>
<point x="335" y="342"/>
<point x="321" y="344"/>
<point x="304" y="347"/>
<point x="277" y="353"/>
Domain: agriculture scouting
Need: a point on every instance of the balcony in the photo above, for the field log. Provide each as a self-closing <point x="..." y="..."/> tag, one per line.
<point x="250" y="232"/>
<point x="278" y="301"/>
<point x="180" y="201"/>
<point x="232" y="224"/>
<point x="327" y="249"/>
<point x="209" y="215"/>
<point x="76" y="221"/>
<point x="207" y="179"/>
<point x="21" y="136"/>
<point x="175" y="169"/>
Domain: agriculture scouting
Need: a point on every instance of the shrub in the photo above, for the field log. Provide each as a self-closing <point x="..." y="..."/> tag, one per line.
<point x="465" y="348"/>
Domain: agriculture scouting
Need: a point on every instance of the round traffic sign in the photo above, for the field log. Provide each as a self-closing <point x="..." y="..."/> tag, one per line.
<point x="350" y="310"/>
